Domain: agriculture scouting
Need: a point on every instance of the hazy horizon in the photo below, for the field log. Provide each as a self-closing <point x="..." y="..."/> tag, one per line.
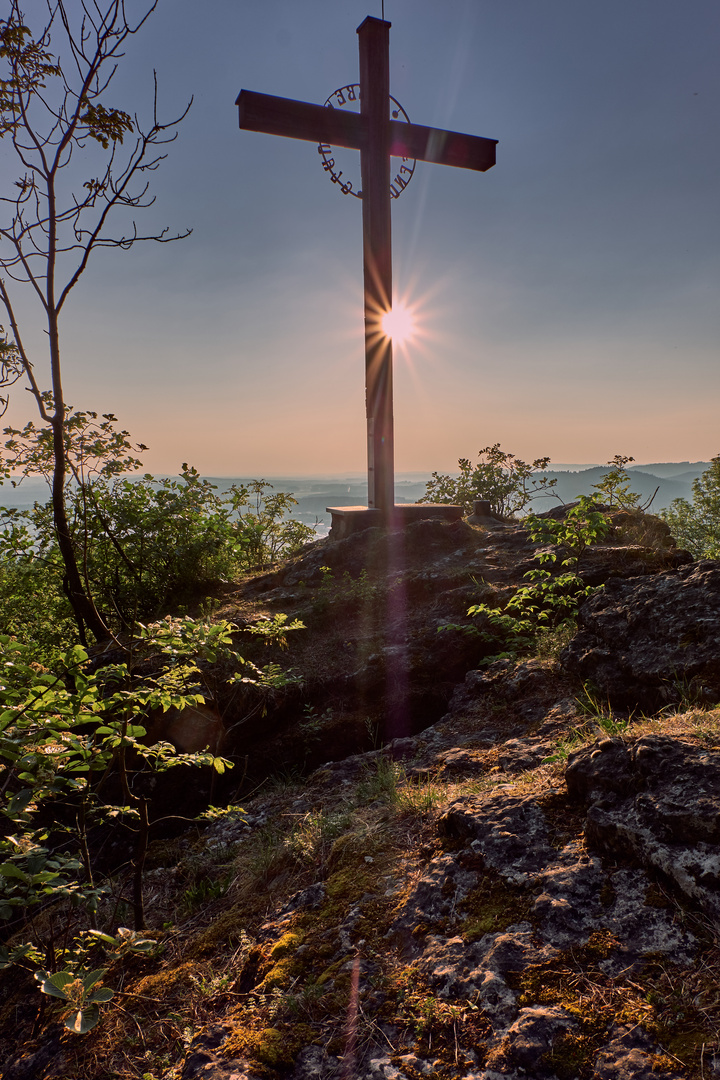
<point x="405" y="476"/>
<point x="314" y="492"/>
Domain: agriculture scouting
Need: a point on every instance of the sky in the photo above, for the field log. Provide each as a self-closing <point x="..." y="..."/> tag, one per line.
<point x="566" y="301"/>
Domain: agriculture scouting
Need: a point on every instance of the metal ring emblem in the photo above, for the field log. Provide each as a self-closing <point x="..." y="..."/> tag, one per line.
<point x="351" y="94"/>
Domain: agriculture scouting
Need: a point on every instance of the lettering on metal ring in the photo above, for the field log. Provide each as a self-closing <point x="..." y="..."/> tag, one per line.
<point x="351" y="94"/>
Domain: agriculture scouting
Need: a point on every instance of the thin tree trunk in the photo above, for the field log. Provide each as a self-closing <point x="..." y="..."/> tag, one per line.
<point x="139" y="865"/>
<point x="86" y="614"/>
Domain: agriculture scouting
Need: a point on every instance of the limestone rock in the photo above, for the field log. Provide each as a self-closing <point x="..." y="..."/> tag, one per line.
<point x="510" y="832"/>
<point x="458" y="970"/>
<point x="205" y="1060"/>
<point x="631" y="1055"/>
<point x="657" y="799"/>
<point x="533" y="1034"/>
<point x="650" y="641"/>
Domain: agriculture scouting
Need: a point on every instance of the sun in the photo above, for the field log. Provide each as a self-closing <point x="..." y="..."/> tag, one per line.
<point x="399" y="324"/>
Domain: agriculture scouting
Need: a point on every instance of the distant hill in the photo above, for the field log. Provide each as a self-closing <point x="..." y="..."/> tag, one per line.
<point x="644" y="482"/>
<point x="678" y="470"/>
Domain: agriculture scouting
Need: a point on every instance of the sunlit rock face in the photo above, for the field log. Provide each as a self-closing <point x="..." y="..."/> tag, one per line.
<point x="532" y="924"/>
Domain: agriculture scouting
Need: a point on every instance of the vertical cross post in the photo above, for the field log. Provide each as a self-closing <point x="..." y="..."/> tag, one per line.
<point x="376" y="136"/>
<point x="374" y="41"/>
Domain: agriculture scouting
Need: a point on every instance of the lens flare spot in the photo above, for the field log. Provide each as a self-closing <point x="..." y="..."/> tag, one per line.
<point x="399" y="324"/>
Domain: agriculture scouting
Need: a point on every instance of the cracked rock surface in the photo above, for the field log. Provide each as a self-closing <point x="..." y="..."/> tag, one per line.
<point x="647" y="642"/>
<point x="657" y="799"/>
<point x="534" y="947"/>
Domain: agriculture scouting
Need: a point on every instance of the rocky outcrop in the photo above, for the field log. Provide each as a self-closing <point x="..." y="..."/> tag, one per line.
<point x="655" y="799"/>
<point x="649" y="642"/>
<point x="536" y="935"/>
<point x="390" y="638"/>
<point x="508" y="894"/>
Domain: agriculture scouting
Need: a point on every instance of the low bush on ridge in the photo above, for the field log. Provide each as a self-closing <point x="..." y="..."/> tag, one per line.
<point x="146" y="546"/>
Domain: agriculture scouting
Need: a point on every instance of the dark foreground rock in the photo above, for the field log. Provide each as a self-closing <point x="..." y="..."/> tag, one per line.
<point x="389" y="639"/>
<point x="655" y="641"/>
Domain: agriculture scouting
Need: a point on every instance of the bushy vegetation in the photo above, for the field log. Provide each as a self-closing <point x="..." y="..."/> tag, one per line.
<point x="75" y="767"/>
<point x="510" y="484"/>
<point x="74" y="753"/>
<point x="146" y="546"/>
<point x="106" y="555"/>
<point x="73" y="760"/>
<point x="696" y="525"/>
<point x="547" y="606"/>
<point x="500" y="478"/>
<point x="614" y="487"/>
<point x="82" y="164"/>
<point x="550" y="602"/>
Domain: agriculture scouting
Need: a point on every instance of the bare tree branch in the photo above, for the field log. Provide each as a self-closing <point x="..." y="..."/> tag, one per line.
<point x="54" y="112"/>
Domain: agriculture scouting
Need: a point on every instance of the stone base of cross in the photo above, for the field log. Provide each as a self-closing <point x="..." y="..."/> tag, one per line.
<point x="378" y="138"/>
<point x="347" y="520"/>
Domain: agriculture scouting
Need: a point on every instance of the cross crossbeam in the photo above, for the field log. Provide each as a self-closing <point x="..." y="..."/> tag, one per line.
<point x="320" y="124"/>
<point x="378" y="138"/>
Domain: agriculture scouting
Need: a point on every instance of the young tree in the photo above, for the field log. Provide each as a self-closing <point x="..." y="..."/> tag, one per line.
<point x="76" y="176"/>
<point x="696" y="525"/>
<point x="507" y="482"/>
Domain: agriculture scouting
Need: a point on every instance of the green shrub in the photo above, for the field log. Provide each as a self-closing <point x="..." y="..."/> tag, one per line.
<point x="505" y="481"/>
<point x="64" y="730"/>
<point x="352" y="594"/>
<point x="63" y="727"/>
<point x="33" y="606"/>
<point x="551" y="600"/>
<point x="145" y="546"/>
<point x="696" y="525"/>
<point x="614" y="488"/>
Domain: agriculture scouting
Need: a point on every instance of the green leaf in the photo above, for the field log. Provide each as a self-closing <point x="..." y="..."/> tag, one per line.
<point x="93" y="977"/>
<point x="10" y="870"/>
<point x="54" y="985"/>
<point x="19" y="802"/>
<point x="99" y="936"/>
<point x="83" y="1021"/>
<point x="144" y="945"/>
<point x="44" y="876"/>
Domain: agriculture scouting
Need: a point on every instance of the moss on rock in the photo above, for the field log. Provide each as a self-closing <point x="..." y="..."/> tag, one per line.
<point x="492" y="906"/>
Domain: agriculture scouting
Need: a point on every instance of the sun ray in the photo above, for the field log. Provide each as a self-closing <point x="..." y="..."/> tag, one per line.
<point x="399" y="324"/>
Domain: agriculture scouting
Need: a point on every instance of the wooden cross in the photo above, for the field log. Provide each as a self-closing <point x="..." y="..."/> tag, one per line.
<point x="378" y="138"/>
